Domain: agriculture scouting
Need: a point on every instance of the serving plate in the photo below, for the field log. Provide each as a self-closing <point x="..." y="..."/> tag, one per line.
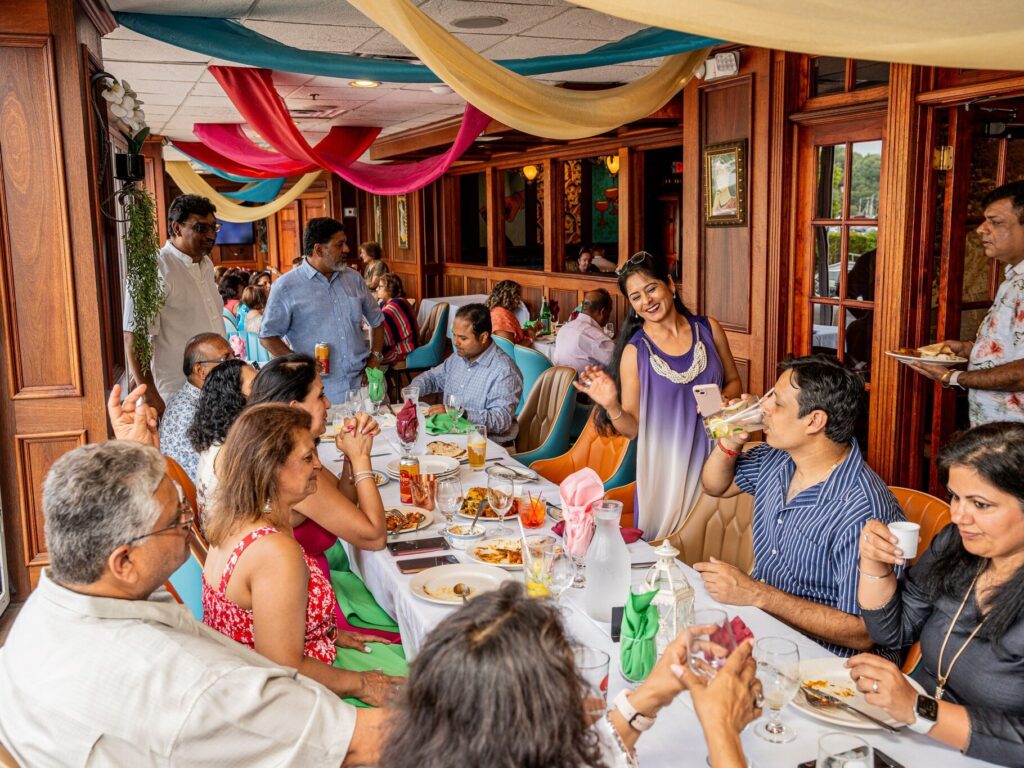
<point x="830" y="676"/>
<point x="437" y="584"/>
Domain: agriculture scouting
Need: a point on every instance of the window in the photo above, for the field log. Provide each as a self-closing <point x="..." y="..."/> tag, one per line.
<point x="473" y="218"/>
<point x="523" y="218"/>
<point x="591" y="211"/>
<point x="663" y="183"/>
<point x="831" y="74"/>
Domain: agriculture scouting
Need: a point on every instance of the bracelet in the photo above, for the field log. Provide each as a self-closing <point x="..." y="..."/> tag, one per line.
<point x="626" y="752"/>
<point x="872" y="577"/>
<point x="728" y="452"/>
<point x="362" y="476"/>
<point x="616" y="416"/>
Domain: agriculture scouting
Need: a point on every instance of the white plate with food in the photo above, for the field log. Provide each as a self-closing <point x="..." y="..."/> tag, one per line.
<point x="406" y="519"/>
<point x="931" y="354"/>
<point x="445" y="448"/>
<point x="437" y="584"/>
<point x="828" y="675"/>
<point x="380" y="479"/>
<point x="429" y="465"/>
<point x="502" y="552"/>
<point x="476" y="496"/>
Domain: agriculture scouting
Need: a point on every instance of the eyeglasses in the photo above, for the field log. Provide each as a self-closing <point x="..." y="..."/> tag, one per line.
<point x="185" y="518"/>
<point x="637" y="258"/>
<point x="201" y="228"/>
<point x="218" y="360"/>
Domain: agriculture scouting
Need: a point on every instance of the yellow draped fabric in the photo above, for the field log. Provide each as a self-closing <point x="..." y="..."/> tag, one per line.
<point x="982" y="34"/>
<point x="517" y="101"/>
<point x="192" y="183"/>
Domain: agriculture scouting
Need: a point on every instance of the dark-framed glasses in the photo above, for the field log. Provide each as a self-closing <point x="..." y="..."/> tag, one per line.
<point x="637" y="258"/>
<point x="218" y="360"/>
<point x="185" y="518"/>
<point x="201" y="227"/>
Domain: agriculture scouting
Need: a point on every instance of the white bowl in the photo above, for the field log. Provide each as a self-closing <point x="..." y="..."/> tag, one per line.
<point x="462" y="535"/>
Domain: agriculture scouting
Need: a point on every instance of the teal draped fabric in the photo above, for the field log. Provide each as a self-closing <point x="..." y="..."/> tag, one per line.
<point x="258" y="191"/>
<point x="230" y="40"/>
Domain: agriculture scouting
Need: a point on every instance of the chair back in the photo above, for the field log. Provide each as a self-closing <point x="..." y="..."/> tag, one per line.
<point x="506" y="346"/>
<point x="928" y="511"/>
<point x="186" y="583"/>
<point x="197" y="542"/>
<point x="627" y="495"/>
<point x="602" y="454"/>
<point x="431" y="349"/>
<point x="432" y="323"/>
<point x="7" y="759"/>
<point x="254" y="351"/>
<point x="531" y="364"/>
<point x="544" y="421"/>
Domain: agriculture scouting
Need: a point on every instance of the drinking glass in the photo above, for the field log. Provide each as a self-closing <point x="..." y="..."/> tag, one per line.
<point x="538" y="549"/>
<point x="411" y="393"/>
<point x="531" y="511"/>
<point x="501" y="490"/>
<point x="562" y="573"/>
<point x="778" y="669"/>
<point x="453" y="407"/>
<point x="424" y="488"/>
<point x="592" y="666"/>
<point x="842" y="750"/>
<point x="449" y="497"/>
<point x="609" y="330"/>
<point x="476" y="446"/>
<point x="710" y="641"/>
<point x="375" y="390"/>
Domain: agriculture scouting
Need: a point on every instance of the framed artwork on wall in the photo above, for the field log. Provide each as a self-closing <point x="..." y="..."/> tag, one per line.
<point x="378" y="227"/>
<point x="725" y="184"/>
<point x="403" y="221"/>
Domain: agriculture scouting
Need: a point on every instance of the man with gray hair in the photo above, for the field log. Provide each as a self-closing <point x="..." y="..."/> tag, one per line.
<point x="582" y="341"/>
<point x="105" y="669"/>
<point x="203" y="353"/>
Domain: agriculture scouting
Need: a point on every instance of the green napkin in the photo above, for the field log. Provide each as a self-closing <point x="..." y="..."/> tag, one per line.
<point x="443" y="424"/>
<point x="375" y="384"/>
<point x="389" y="659"/>
<point x="355" y="600"/>
<point x="639" y="627"/>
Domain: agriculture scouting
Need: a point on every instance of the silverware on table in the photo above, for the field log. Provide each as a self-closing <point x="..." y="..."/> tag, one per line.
<point x="517" y="472"/>
<point x="815" y="696"/>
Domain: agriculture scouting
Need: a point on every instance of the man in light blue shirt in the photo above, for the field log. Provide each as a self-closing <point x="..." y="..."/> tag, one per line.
<point x="487" y="378"/>
<point x="324" y="300"/>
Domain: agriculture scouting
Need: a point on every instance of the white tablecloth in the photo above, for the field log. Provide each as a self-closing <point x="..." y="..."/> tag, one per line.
<point x="676" y="739"/>
<point x="454" y="302"/>
<point x="546" y="347"/>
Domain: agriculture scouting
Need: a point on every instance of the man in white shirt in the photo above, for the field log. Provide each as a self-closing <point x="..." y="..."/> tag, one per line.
<point x="582" y="342"/>
<point x="192" y="304"/>
<point x="102" y="668"/>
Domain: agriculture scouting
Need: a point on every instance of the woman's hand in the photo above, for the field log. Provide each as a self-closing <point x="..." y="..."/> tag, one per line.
<point x="355" y="439"/>
<point x="376" y="688"/>
<point x="732" y="698"/>
<point x="884" y="685"/>
<point x="599" y="385"/>
<point x="878" y="546"/>
<point x="357" y="640"/>
<point x="662" y="684"/>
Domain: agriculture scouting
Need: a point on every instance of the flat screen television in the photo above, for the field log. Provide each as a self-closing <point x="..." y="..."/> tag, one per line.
<point x="232" y="233"/>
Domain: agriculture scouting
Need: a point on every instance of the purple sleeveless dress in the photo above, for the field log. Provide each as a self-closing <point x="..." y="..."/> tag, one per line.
<point x="671" y="444"/>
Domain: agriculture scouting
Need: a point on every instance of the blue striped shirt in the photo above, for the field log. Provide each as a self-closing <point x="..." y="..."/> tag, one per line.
<point x="808" y="547"/>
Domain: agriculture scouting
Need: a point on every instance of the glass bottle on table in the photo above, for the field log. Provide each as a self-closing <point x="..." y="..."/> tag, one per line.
<point x="545" y="315"/>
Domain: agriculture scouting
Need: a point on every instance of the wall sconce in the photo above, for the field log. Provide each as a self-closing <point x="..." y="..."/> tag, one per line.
<point x="612" y="163"/>
<point x="530" y="172"/>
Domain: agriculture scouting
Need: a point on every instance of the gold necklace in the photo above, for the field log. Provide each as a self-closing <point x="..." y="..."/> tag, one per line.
<point x="942" y="677"/>
<point x="823" y="479"/>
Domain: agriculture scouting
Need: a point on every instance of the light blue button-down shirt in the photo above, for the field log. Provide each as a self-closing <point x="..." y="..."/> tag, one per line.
<point x="305" y="307"/>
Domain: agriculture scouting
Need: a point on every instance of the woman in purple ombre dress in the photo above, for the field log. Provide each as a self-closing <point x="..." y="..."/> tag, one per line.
<point x="662" y="353"/>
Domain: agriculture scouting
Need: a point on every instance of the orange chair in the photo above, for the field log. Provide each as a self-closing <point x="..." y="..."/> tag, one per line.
<point x="7" y="759"/>
<point x="627" y="495"/>
<point x="197" y="541"/>
<point x="932" y="514"/>
<point x="605" y="455"/>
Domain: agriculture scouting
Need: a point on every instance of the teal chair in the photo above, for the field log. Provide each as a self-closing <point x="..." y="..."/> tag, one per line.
<point x="254" y="351"/>
<point x="431" y="349"/>
<point x="230" y="324"/>
<point x="547" y="416"/>
<point x="188" y="584"/>
<point x="626" y="473"/>
<point x="531" y="364"/>
<point x="508" y="348"/>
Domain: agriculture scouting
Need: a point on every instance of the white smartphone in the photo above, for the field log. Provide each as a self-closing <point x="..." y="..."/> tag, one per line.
<point x="709" y="399"/>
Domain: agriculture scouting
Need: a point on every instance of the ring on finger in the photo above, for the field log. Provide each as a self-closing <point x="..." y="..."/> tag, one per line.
<point x="874" y="687"/>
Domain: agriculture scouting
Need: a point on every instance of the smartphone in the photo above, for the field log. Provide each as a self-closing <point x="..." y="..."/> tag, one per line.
<point x="422" y="563"/>
<point x="882" y="760"/>
<point x="412" y="546"/>
<point x="709" y="399"/>
<point x="617" y="622"/>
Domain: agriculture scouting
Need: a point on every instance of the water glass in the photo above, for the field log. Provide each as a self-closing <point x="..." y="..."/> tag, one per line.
<point x="449" y="497"/>
<point x="709" y="641"/>
<point x="562" y="573"/>
<point x="778" y="669"/>
<point x="842" y="750"/>
<point x="423" y="487"/>
<point x="538" y="550"/>
<point x="501" y="490"/>
<point x="411" y="393"/>
<point x="476" y="446"/>
<point x="453" y="406"/>
<point x="592" y="666"/>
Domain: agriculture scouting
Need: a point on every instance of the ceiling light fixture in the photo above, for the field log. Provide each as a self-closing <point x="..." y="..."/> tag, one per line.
<point x="365" y="83"/>
<point x="479" y="22"/>
<point x="530" y="172"/>
<point x="612" y="164"/>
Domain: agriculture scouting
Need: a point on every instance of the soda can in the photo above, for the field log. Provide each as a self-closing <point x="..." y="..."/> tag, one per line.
<point x="408" y="468"/>
<point x="322" y="352"/>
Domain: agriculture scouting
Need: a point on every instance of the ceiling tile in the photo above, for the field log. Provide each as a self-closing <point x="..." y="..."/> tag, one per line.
<point x="148" y="50"/>
<point x="384" y="44"/>
<point x="584" y="24"/>
<point x="225" y="9"/>
<point x="520" y="17"/>
<point x="181" y="73"/>
<point x="319" y="37"/>
<point x="165" y="87"/>
<point x="523" y="47"/>
<point x="159" y="99"/>
<point x="309" y="12"/>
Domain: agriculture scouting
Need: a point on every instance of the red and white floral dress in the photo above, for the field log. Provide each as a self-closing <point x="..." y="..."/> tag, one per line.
<point x="229" y="619"/>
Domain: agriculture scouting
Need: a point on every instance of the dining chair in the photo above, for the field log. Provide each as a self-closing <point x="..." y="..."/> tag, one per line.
<point x="7" y="759"/>
<point x="254" y="351"/>
<point x="531" y="364"/>
<point x="613" y="457"/>
<point x="627" y="495"/>
<point x="545" y="420"/>
<point x="506" y="346"/>
<point x="186" y="583"/>
<point x="429" y="353"/>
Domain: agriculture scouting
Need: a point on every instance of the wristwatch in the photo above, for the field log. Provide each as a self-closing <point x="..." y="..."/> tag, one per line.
<point x="927" y="713"/>
<point x="378" y="356"/>
<point x="950" y="379"/>
<point x="635" y="720"/>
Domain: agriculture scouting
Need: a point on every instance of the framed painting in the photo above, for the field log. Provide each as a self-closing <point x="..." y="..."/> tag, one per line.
<point x="378" y="225"/>
<point x="725" y="184"/>
<point x="402" y="203"/>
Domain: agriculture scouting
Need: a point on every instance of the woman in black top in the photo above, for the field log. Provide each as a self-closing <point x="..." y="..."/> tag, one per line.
<point x="964" y="600"/>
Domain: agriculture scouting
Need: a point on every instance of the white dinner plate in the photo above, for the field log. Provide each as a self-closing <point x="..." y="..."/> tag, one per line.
<point x="500" y="541"/>
<point x="839" y="682"/>
<point x="947" y="361"/>
<point x="380" y="479"/>
<point x="429" y="465"/>
<point x="437" y="584"/>
<point x="428" y="519"/>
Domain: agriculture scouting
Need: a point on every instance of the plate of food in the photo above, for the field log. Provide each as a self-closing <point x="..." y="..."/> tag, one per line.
<point x="931" y="354"/>
<point x="380" y="479"/>
<point x="406" y="519"/>
<point x="829" y="676"/>
<point x="438" y="584"/>
<point x="504" y="553"/>
<point x="445" y="448"/>
<point x="476" y="496"/>
<point x="429" y="465"/>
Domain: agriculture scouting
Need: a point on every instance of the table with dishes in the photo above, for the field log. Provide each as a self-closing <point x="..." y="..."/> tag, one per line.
<point x="409" y="599"/>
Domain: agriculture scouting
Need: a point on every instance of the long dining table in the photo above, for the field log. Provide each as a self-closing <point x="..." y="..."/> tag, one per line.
<point x="675" y="739"/>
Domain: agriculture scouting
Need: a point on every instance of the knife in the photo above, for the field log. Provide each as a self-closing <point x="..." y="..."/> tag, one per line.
<point x="813" y="693"/>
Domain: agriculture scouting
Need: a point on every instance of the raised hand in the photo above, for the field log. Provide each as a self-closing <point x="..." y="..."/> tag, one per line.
<point x="133" y="419"/>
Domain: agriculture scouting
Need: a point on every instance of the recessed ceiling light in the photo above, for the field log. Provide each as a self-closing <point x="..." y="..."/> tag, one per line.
<point x="365" y="83"/>
<point x="479" y="22"/>
<point x="488" y="138"/>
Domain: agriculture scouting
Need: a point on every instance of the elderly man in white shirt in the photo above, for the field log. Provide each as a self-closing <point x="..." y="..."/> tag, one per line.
<point x="102" y="668"/>
<point x="582" y="342"/>
<point x="192" y="303"/>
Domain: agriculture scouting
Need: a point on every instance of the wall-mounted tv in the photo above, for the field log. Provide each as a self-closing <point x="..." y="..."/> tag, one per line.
<point x="232" y="233"/>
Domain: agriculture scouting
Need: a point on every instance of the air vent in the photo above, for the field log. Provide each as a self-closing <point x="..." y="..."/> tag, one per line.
<point x="323" y="112"/>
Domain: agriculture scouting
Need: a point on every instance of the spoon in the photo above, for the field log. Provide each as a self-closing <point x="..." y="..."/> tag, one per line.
<point x="462" y="591"/>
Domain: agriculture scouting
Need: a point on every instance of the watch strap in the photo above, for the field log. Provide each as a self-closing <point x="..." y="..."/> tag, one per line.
<point x="922" y="723"/>
<point x="637" y="721"/>
<point x="954" y="379"/>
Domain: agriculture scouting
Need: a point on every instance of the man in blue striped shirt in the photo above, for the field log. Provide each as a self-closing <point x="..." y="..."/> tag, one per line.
<point x="813" y="493"/>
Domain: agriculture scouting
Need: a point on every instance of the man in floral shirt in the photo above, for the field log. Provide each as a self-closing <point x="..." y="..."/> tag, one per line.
<point x="995" y="375"/>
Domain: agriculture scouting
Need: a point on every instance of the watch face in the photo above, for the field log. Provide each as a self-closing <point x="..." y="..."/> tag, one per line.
<point x="928" y="708"/>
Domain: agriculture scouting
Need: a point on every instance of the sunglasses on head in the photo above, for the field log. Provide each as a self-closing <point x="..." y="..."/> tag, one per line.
<point x="637" y="258"/>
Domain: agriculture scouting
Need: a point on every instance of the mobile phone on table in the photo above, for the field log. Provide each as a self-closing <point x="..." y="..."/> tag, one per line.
<point x="422" y="563"/>
<point x="617" y="611"/>
<point x="882" y="760"/>
<point x="411" y="546"/>
<point x="709" y="399"/>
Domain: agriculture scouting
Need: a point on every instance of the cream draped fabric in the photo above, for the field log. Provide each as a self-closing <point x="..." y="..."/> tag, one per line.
<point x="982" y="34"/>
<point x="517" y="101"/>
<point x="192" y="183"/>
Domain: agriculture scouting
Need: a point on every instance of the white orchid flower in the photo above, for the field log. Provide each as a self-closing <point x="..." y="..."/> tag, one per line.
<point x="139" y="116"/>
<point x="127" y="103"/>
<point x="113" y="93"/>
<point x="128" y="88"/>
<point x="118" y="111"/>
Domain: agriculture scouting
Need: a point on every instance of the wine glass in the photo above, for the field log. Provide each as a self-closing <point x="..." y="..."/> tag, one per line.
<point x="843" y="750"/>
<point x="778" y="669"/>
<point x="453" y="407"/>
<point x="709" y="641"/>
<point x="375" y="390"/>
<point x="501" y="490"/>
<point x="449" y="497"/>
<point x="561" y="575"/>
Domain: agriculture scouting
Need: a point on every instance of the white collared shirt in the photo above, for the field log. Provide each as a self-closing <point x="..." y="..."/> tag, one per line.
<point x="1000" y="340"/>
<point x="94" y="681"/>
<point x="193" y="306"/>
<point x="582" y="342"/>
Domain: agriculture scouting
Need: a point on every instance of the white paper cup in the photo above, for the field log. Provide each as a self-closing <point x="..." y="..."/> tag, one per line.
<point x="907" y="536"/>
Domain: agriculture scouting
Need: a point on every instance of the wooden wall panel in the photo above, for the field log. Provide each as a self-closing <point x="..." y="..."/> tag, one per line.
<point x="532" y="296"/>
<point x="453" y="285"/>
<point x="567" y="301"/>
<point x="476" y="285"/>
<point x="35" y="454"/>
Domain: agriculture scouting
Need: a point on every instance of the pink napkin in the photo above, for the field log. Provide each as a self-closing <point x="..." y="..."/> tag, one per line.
<point x="629" y="535"/>
<point x="406" y="423"/>
<point x="579" y="492"/>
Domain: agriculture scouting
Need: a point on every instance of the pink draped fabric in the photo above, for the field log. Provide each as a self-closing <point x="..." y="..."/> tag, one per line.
<point x="253" y="94"/>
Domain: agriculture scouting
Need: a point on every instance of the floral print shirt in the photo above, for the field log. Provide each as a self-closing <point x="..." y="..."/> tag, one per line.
<point x="1000" y="340"/>
<point x="174" y="426"/>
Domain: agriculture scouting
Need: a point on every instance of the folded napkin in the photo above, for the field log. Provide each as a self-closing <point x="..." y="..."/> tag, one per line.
<point x="375" y="384"/>
<point x="389" y="659"/>
<point x="579" y="492"/>
<point x="443" y="424"/>
<point x="629" y="535"/>
<point x="408" y="424"/>
<point x="639" y="627"/>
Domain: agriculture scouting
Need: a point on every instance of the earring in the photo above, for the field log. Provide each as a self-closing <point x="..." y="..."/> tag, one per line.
<point x="268" y="509"/>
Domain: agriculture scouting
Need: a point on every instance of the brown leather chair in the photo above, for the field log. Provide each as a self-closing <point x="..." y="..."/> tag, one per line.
<point x="197" y="541"/>
<point x="7" y="759"/>
<point x="547" y="415"/>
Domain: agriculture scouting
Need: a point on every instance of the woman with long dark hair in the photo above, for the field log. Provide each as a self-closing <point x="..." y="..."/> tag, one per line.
<point x="963" y="600"/>
<point x="647" y="392"/>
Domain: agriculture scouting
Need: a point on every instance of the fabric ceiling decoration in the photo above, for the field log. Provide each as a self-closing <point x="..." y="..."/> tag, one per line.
<point x="192" y="183"/>
<point x="517" y="101"/>
<point x="253" y="94"/>
<point x="254" y="191"/>
<point x="229" y="40"/>
<point x="984" y="34"/>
